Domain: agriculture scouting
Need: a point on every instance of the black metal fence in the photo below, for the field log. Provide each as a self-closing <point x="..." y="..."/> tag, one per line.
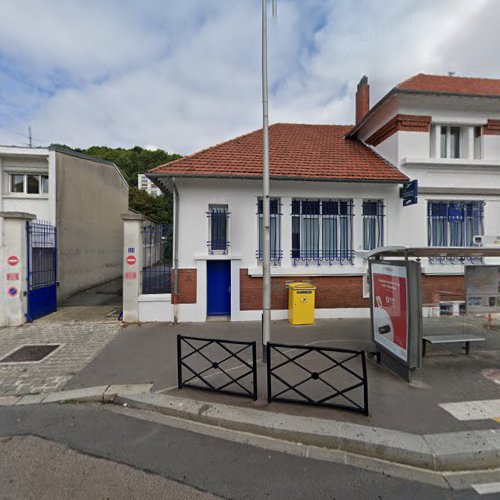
<point x="321" y="376"/>
<point x="225" y="366"/>
<point x="157" y="258"/>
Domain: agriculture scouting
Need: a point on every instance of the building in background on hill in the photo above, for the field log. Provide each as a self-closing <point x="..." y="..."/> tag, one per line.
<point x="148" y="185"/>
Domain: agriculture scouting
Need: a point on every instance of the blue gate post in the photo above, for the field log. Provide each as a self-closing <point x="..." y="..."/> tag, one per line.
<point x="13" y="279"/>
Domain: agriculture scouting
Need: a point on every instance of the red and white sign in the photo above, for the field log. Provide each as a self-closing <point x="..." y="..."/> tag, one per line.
<point x="130" y="276"/>
<point x="131" y="260"/>
<point x="12" y="276"/>
<point x="13" y="260"/>
<point x="390" y="308"/>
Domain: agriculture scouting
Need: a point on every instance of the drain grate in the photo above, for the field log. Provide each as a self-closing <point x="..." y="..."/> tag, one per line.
<point x="30" y="353"/>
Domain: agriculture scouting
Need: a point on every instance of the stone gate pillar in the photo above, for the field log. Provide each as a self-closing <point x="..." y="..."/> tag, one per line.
<point x="14" y="268"/>
<point x="132" y="265"/>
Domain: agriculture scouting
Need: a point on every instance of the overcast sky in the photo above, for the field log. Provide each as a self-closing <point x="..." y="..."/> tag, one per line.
<point x="185" y="74"/>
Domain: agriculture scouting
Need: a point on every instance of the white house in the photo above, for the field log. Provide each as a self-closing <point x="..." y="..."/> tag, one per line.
<point x="335" y="190"/>
<point x="83" y="196"/>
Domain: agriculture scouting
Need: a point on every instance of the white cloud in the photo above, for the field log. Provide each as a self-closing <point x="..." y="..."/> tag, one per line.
<point x="185" y="75"/>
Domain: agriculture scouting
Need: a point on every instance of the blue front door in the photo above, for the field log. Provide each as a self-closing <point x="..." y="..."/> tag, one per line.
<point x="218" y="287"/>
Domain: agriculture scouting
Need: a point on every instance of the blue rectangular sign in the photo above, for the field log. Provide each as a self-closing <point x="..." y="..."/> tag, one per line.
<point x="409" y="193"/>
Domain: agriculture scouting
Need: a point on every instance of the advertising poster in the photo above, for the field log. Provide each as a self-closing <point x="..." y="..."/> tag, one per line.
<point x="482" y="289"/>
<point x="390" y="308"/>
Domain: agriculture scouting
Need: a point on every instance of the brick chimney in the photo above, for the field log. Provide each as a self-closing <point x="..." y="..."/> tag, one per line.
<point x="362" y="99"/>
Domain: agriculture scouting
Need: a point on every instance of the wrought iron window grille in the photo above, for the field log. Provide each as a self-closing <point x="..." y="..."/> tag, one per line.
<point x="454" y="224"/>
<point x="322" y="232"/>
<point x="373" y="224"/>
<point x="218" y="217"/>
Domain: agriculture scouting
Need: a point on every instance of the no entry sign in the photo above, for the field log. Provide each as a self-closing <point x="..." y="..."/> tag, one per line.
<point x="131" y="260"/>
<point x="13" y="260"/>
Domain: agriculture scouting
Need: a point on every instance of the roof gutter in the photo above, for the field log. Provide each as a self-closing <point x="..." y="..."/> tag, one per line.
<point x="275" y="178"/>
<point x="175" y="296"/>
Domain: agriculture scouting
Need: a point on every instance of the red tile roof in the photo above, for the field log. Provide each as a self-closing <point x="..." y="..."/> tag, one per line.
<point x="451" y="85"/>
<point x="298" y="152"/>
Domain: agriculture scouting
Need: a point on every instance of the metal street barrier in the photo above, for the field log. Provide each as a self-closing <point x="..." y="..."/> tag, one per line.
<point x="321" y="376"/>
<point x="225" y="366"/>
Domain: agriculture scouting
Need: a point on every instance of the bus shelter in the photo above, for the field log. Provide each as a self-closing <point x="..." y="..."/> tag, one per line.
<point x="395" y="284"/>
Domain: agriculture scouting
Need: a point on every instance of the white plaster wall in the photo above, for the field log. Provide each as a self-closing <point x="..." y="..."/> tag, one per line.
<point x="389" y="148"/>
<point x="241" y="197"/>
<point x="91" y="198"/>
<point x="156" y="308"/>
<point x="491" y="147"/>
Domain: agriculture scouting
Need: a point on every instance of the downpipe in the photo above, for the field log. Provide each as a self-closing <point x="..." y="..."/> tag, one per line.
<point x="175" y="295"/>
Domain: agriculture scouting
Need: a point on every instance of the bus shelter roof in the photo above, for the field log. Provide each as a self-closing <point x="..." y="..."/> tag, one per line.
<point x="406" y="252"/>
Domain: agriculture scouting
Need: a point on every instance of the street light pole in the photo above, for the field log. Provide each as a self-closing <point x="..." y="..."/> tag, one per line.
<point x="266" y="239"/>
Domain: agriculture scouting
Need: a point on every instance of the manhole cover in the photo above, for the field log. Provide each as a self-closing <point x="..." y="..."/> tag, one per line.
<point x="30" y="353"/>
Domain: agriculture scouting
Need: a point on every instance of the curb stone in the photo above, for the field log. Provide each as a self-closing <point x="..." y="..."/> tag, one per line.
<point x="102" y="394"/>
<point x="454" y="451"/>
<point x="445" y="453"/>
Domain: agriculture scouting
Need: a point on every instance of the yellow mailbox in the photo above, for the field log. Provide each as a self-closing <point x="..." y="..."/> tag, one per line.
<point x="301" y="303"/>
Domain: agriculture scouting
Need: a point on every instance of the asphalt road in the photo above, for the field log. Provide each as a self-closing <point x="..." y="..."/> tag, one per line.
<point x="175" y="461"/>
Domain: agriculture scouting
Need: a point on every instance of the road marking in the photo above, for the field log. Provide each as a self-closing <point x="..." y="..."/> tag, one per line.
<point x="486" y="488"/>
<point x="474" y="410"/>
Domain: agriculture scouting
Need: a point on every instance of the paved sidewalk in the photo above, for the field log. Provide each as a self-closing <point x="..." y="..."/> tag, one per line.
<point x="79" y="343"/>
<point x="147" y="353"/>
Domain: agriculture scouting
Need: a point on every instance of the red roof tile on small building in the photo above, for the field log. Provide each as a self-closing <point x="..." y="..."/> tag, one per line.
<point x="451" y="85"/>
<point x="297" y="152"/>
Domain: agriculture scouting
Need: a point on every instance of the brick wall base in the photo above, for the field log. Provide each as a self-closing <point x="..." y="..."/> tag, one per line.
<point x="437" y="289"/>
<point x="331" y="291"/>
<point x="340" y="291"/>
<point x="187" y="286"/>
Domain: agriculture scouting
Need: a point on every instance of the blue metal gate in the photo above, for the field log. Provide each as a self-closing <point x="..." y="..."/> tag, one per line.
<point x="42" y="269"/>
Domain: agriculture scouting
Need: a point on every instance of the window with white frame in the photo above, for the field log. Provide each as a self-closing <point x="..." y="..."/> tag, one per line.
<point x="274" y="229"/>
<point x="322" y="231"/>
<point x="373" y="224"/>
<point x="218" y="228"/>
<point x="28" y="184"/>
<point x="454" y="223"/>
<point x="449" y="142"/>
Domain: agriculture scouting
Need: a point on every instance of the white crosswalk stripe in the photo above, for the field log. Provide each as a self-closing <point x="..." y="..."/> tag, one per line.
<point x="486" y="488"/>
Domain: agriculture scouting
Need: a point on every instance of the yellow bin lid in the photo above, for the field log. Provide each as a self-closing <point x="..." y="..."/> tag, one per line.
<point x="298" y="285"/>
